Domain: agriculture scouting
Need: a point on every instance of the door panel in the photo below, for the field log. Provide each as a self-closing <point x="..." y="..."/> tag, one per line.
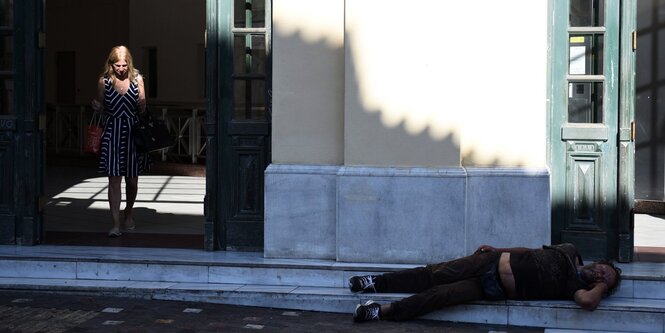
<point x="21" y="101"/>
<point x="585" y="126"/>
<point x="7" y="216"/>
<point x="239" y="121"/>
<point x="248" y="131"/>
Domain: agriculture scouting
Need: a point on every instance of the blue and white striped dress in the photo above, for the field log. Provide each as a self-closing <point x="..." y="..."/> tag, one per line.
<point x="118" y="156"/>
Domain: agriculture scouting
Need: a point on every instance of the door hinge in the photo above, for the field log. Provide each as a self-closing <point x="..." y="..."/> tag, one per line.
<point x="205" y="38"/>
<point x="634" y="40"/>
<point x="633" y="131"/>
<point x="41" y="40"/>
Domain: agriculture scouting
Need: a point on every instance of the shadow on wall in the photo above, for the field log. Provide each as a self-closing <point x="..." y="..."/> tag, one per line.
<point x="650" y="140"/>
<point x="409" y="100"/>
<point x="399" y="134"/>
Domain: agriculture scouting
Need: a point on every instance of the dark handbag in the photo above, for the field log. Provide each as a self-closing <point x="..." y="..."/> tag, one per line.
<point x="151" y="134"/>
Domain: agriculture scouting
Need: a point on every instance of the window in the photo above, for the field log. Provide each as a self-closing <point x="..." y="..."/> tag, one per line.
<point x="6" y="57"/>
<point x="249" y="60"/>
<point x="585" y="61"/>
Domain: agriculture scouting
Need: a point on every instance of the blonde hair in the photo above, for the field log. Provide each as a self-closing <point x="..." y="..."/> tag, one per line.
<point x="119" y="53"/>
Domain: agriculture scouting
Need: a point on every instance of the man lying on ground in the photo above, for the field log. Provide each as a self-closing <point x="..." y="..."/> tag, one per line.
<point x="553" y="272"/>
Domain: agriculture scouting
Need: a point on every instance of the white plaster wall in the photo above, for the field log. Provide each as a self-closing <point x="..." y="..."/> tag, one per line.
<point x="445" y="83"/>
<point x="308" y="81"/>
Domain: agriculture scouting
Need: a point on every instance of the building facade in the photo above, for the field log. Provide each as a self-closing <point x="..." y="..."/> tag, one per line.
<point x="382" y="131"/>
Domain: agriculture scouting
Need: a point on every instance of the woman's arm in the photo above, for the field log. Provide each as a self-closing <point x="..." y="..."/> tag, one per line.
<point x="142" y="101"/>
<point x="98" y="101"/>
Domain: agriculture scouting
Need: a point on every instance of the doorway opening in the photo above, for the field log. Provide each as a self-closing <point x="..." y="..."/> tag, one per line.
<point x="650" y="137"/>
<point x="167" y="43"/>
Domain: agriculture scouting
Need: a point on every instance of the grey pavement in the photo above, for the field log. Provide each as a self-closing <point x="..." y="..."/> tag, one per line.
<point x="48" y="313"/>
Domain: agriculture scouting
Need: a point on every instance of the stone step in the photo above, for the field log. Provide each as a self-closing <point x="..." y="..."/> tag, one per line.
<point x="304" y="284"/>
<point x="616" y="314"/>
<point x="640" y="280"/>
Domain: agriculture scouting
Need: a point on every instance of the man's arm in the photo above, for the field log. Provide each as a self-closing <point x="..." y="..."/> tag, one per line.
<point x="488" y="248"/>
<point x="589" y="299"/>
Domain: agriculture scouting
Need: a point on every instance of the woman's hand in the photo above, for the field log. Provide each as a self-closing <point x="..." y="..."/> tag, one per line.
<point x="96" y="106"/>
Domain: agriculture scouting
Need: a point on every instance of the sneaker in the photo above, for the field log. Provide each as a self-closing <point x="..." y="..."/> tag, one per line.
<point x="366" y="312"/>
<point x="363" y="283"/>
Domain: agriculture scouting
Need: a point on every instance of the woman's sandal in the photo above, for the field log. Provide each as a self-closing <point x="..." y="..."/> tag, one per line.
<point x="114" y="232"/>
<point x="130" y="226"/>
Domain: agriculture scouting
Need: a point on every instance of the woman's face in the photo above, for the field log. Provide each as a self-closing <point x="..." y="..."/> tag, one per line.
<point x="120" y="68"/>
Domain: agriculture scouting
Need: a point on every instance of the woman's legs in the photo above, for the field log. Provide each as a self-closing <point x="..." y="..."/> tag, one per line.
<point x="131" y="189"/>
<point x="115" y="196"/>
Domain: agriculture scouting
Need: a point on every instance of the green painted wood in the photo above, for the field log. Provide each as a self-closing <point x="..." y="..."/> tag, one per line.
<point x="8" y="152"/>
<point x="21" y="145"/>
<point x="626" y="144"/>
<point x="581" y="132"/>
<point x="234" y="202"/>
<point x="214" y="227"/>
<point x="584" y="157"/>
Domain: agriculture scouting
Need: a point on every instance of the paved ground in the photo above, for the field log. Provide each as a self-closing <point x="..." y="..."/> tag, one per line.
<point x="48" y="313"/>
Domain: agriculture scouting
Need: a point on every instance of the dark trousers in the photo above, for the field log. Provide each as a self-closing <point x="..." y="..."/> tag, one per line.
<point x="438" y="285"/>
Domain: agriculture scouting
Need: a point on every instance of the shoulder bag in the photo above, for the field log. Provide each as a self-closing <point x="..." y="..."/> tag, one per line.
<point x="151" y="134"/>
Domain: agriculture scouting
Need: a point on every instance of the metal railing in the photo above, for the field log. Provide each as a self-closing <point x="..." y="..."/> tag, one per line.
<point x="67" y="124"/>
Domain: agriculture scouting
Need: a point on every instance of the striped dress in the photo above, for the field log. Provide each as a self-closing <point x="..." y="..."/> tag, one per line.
<point x="118" y="156"/>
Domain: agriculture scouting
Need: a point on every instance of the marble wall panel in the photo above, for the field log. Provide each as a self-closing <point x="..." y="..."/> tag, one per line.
<point x="508" y="207"/>
<point x="390" y="215"/>
<point x="300" y="212"/>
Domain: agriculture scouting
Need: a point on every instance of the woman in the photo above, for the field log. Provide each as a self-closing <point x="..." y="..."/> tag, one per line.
<point x="121" y="90"/>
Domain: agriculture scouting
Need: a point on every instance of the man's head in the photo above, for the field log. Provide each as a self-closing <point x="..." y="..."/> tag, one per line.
<point x="602" y="271"/>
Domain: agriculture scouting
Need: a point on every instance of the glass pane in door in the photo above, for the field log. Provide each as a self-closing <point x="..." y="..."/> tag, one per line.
<point x="585" y="102"/>
<point x="587" y="13"/>
<point x="249" y="54"/>
<point x="249" y="13"/>
<point x="6" y="13"/>
<point x="586" y="55"/>
<point x="249" y="100"/>
<point x="6" y="96"/>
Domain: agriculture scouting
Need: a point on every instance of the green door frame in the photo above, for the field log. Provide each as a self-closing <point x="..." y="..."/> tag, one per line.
<point x="217" y="50"/>
<point x="627" y="130"/>
<point x="613" y="207"/>
<point x="24" y="149"/>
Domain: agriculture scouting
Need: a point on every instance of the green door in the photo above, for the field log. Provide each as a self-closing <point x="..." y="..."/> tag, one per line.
<point x="239" y="121"/>
<point x="585" y="127"/>
<point x="21" y="131"/>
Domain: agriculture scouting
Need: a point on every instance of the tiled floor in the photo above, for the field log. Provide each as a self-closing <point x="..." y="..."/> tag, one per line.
<point x="650" y="238"/>
<point x="78" y="201"/>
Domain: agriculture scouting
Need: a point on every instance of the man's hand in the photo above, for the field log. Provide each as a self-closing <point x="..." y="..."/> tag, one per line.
<point x="589" y="299"/>
<point x="486" y="248"/>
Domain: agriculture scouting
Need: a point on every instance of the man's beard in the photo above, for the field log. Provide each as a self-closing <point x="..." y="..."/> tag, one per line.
<point x="587" y="275"/>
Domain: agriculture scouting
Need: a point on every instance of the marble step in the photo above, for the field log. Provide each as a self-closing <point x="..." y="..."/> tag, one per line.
<point x="617" y="314"/>
<point x="640" y="280"/>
